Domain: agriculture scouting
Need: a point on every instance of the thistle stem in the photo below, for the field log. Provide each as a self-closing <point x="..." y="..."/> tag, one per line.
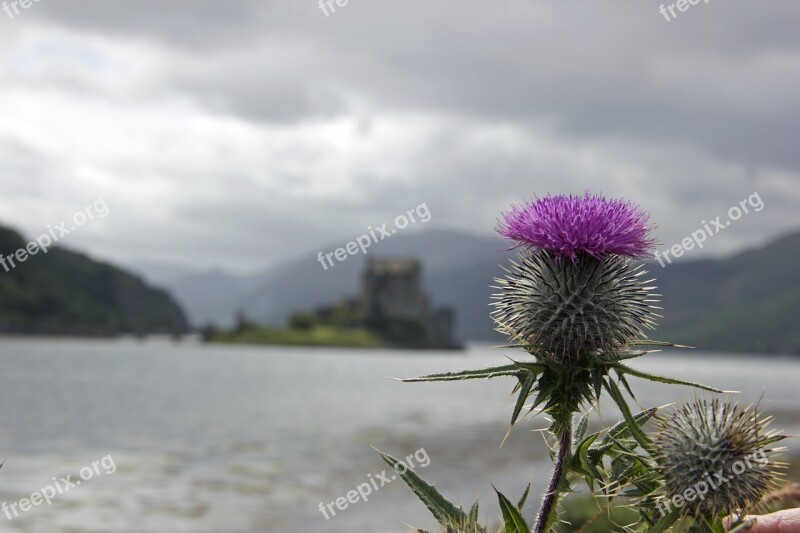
<point x="547" y="513"/>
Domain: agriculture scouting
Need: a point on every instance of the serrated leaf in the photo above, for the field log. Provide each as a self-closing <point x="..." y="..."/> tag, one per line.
<point x="661" y="379"/>
<point x="445" y="512"/>
<point x="484" y="373"/>
<point x="514" y="521"/>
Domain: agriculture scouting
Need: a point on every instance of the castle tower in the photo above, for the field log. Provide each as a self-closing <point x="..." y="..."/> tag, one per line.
<point x="391" y="289"/>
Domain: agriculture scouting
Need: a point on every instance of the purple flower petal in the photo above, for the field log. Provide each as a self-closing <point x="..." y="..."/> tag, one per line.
<point x="569" y="225"/>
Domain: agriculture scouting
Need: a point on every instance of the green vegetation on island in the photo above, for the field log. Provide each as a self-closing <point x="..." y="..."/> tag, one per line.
<point x="314" y="336"/>
<point x="342" y="330"/>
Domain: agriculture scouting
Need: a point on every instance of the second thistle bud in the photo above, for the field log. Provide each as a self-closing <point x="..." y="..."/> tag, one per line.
<point x="714" y="458"/>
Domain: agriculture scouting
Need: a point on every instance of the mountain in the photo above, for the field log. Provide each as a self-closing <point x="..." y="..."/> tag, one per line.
<point x="67" y="293"/>
<point x="746" y="303"/>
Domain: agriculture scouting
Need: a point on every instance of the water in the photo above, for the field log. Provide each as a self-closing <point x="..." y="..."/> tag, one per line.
<point x="240" y="439"/>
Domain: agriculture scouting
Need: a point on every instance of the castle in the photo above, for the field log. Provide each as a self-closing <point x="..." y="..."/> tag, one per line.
<point x="391" y="294"/>
<point x="393" y="305"/>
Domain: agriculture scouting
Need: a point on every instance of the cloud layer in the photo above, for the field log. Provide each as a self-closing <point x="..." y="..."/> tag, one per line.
<point x="241" y="133"/>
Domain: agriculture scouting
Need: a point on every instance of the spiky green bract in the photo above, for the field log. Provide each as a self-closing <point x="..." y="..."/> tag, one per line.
<point x="574" y="311"/>
<point x="558" y="389"/>
<point x="718" y="447"/>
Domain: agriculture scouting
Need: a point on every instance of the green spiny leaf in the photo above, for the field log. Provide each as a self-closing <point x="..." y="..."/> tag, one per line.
<point x="661" y="379"/>
<point x="514" y="521"/>
<point x="484" y="373"/>
<point x="445" y="512"/>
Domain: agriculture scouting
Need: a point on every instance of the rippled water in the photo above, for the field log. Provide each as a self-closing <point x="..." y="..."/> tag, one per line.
<point x="253" y="439"/>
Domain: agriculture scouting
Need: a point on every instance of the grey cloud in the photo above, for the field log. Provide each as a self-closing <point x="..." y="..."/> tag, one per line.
<point x="720" y="75"/>
<point x="683" y="111"/>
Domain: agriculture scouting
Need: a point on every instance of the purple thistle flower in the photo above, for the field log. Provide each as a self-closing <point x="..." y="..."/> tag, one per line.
<point x="569" y="225"/>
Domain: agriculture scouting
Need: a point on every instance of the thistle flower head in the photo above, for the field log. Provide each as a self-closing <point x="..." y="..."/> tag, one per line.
<point x="573" y="310"/>
<point x="568" y="226"/>
<point x="720" y="453"/>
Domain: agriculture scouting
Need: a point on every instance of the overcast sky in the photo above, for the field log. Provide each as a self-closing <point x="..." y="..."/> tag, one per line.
<point x="237" y="134"/>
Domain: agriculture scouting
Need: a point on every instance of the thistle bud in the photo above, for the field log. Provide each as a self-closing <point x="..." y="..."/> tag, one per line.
<point x="715" y="458"/>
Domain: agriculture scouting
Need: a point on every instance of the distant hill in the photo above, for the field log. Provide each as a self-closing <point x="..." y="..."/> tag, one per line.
<point x="67" y="293"/>
<point x="746" y="303"/>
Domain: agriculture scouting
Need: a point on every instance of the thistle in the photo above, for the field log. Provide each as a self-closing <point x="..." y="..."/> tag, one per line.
<point x="574" y="300"/>
<point x="578" y="304"/>
<point x="719" y="455"/>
